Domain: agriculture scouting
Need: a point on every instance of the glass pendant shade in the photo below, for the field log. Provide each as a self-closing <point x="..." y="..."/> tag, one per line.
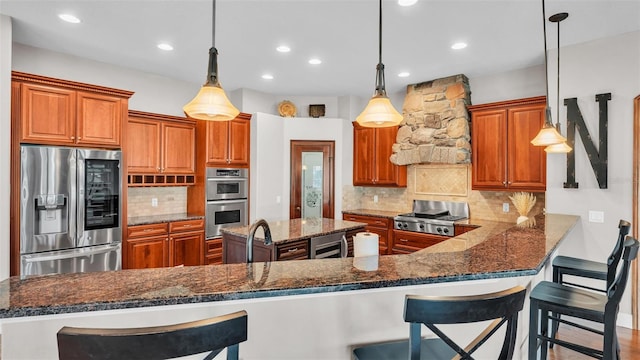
<point x="211" y="104"/>
<point x="561" y="148"/>
<point x="379" y="113"/>
<point x="548" y="135"/>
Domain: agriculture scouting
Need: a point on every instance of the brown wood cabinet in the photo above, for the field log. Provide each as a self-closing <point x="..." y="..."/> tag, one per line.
<point x="60" y="112"/>
<point x="405" y="242"/>
<point x="459" y="229"/>
<point x="235" y="251"/>
<point x="371" y="152"/>
<point x="179" y="243"/>
<point x="377" y="225"/>
<point x="160" y="144"/>
<point x="227" y="142"/>
<point x="503" y="158"/>
<point x="213" y="251"/>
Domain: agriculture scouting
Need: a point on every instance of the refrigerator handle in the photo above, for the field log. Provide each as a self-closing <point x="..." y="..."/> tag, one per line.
<point x="83" y="252"/>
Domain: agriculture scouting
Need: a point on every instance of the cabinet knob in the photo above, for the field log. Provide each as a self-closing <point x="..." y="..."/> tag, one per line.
<point x="73" y="138"/>
<point x="509" y="182"/>
<point x="504" y="183"/>
<point x="79" y="138"/>
<point x="158" y="168"/>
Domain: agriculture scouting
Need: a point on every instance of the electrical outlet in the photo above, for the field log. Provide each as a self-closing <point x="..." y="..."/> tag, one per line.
<point x="375" y="198"/>
<point x="505" y="207"/>
<point x="596" y="216"/>
<point x="154" y="202"/>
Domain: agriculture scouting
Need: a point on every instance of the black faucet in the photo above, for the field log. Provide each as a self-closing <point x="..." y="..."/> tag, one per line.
<point x="252" y="233"/>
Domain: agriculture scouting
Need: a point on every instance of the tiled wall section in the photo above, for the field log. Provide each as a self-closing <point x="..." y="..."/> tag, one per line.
<point x="437" y="182"/>
<point x="171" y="200"/>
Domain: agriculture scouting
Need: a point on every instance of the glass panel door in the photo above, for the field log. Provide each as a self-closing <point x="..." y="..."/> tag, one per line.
<point x="312" y="173"/>
<point x="102" y="194"/>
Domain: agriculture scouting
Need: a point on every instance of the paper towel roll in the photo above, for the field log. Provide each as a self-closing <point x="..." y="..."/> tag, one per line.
<point x="366" y="263"/>
<point x="365" y="244"/>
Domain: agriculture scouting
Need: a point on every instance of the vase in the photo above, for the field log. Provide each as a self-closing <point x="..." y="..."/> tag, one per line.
<point x="521" y="219"/>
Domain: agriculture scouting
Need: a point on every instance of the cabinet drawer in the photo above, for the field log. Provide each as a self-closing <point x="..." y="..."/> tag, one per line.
<point x="294" y="251"/>
<point x="186" y="225"/>
<point x="213" y="246"/>
<point x="409" y="241"/>
<point x="146" y="230"/>
<point x="369" y="220"/>
<point x="459" y="229"/>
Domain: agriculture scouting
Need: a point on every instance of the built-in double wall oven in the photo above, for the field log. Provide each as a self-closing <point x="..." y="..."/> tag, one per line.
<point x="227" y="203"/>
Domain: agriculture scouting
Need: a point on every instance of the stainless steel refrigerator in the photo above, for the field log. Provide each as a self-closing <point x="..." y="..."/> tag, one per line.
<point x="70" y="210"/>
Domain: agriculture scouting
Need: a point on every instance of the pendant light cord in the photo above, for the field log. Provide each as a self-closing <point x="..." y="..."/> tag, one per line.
<point x="558" y="84"/>
<point x="547" y="120"/>
<point x="213" y="25"/>
<point x="380" y="34"/>
<point x="380" y="87"/>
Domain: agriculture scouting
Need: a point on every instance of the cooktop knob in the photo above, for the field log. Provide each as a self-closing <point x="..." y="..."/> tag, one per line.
<point x="405" y="225"/>
<point x="439" y="229"/>
<point x="445" y="230"/>
<point x="421" y="226"/>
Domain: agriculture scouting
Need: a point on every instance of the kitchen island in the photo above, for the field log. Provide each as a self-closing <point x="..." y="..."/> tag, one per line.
<point x="291" y="239"/>
<point x="341" y="303"/>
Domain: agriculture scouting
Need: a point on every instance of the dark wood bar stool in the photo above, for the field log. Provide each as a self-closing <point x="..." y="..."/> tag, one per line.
<point x="550" y="300"/>
<point x="159" y="342"/>
<point x="566" y="265"/>
<point x="502" y="307"/>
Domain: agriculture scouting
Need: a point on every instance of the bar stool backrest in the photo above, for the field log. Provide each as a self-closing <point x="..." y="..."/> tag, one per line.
<point x="160" y="342"/>
<point x="502" y="307"/>
<point x="616" y="289"/>
<point x="614" y="258"/>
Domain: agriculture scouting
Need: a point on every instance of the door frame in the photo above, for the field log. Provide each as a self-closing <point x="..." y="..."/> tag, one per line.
<point x="636" y="208"/>
<point x="328" y="149"/>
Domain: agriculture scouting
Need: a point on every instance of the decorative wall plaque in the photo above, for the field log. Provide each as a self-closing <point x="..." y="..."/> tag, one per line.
<point x="287" y="109"/>
<point x="316" y="110"/>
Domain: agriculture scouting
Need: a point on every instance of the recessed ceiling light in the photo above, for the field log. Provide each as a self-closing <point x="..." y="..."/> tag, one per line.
<point x="165" y="47"/>
<point x="315" y="61"/>
<point x="267" y="77"/>
<point x="283" y="48"/>
<point x="459" y="45"/>
<point x="403" y="74"/>
<point x="69" y="18"/>
<point x="407" y="2"/>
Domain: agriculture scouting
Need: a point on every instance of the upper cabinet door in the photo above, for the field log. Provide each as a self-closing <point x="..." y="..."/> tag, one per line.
<point x="99" y="119"/>
<point x="489" y="149"/>
<point x="143" y="146"/>
<point x="527" y="164"/>
<point x="178" y="148"/>
<point x="386" y="172"/>
<point x="239" y="135"/>
<point x="217" y="142"/>
<point x="363" y="155"/>
<point x="47" y="115"/>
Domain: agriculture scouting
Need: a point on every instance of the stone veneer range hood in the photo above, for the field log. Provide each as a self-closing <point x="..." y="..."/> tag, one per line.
<point x="435" y="128"/>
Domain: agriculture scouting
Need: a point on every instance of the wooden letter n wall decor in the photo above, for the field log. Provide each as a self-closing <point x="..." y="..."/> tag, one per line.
<point x="597" y="157"/>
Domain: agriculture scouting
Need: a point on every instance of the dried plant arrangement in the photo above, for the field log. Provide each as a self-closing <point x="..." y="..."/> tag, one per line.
<point x="524" y="202"/>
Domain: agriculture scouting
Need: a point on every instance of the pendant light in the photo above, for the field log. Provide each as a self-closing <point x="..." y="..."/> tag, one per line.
<point x="548" y="135"/>
<point x="561" y="148"/>
<point x="212" y="103"/>
<point x="379" y="111"/>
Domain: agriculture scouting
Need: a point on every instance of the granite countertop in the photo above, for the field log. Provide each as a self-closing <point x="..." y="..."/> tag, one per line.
<point x="370" y="212"/>
<point x="494" y="250"/>
<point x="155" y="219"/>
<point x="295" y="229"/>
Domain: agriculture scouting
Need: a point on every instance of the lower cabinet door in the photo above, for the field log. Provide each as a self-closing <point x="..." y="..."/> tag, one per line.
<point x="187" y="249"/>
<point x="151" y="252"/>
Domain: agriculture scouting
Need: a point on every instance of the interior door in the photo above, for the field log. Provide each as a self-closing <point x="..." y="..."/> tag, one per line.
<point x="312" y="179"/>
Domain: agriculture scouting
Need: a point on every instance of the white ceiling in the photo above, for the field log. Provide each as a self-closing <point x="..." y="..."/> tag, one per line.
<point x="502" y="35"/>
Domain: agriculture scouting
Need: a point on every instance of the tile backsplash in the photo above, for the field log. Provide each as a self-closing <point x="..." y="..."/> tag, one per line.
<point x="437" y="182"/>
<point x="170" y="200"/>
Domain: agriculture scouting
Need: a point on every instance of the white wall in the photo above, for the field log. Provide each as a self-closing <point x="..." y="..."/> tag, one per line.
<point x="516" y="84"/>
<point x="611" y="66"/>
<point x="5" y="141"/>
<point x="270" y="160"/>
